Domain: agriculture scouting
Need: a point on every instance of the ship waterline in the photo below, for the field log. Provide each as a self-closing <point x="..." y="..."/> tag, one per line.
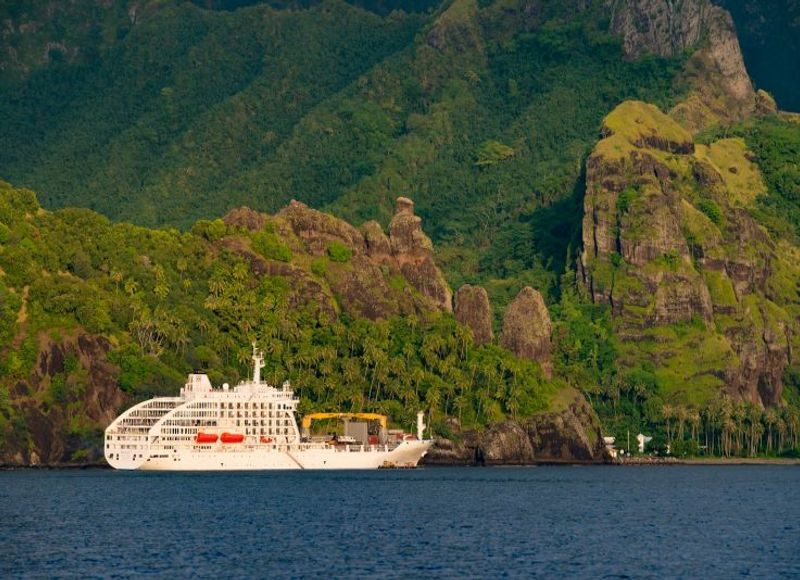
<point x="251" y="426"/>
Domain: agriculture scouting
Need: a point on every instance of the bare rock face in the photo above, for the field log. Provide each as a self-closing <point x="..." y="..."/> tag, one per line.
<point x="764" y="354"/>
<point x="378" y="246"/>
<point x="634" y="215"/>
<point x="527" y="329"/>
<point x="472" y="309"/>
<point x="722" y="87"/>
<point x="506" y="444"/>
<point x="570" y="435"/>
<point x="80" y="364"/>
<point x="413" y="251"/>
<point x="408" y="241"/>
<point x="659" y="26"/>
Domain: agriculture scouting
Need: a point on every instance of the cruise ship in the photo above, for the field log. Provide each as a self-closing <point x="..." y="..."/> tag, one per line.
<point x="250" y="426"/>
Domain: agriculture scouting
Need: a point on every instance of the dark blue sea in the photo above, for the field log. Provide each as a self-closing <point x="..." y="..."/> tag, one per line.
<point x="591" y="522"/>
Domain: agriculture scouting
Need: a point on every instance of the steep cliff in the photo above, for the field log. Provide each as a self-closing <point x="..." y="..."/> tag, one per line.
<point x="720" y="88"/>
<point x="697" y="287"/>
<point x="72" y="392"/>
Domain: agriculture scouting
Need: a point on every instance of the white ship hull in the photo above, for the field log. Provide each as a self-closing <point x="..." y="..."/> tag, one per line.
<point x="406" y="454"/>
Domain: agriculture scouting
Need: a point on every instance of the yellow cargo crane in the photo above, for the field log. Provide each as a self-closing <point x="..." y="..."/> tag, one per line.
<point x="305" y="425"/>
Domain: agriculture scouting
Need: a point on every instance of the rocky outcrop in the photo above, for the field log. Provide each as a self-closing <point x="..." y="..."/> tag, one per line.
<point x="379" y="248"/>
<point x="72" y="372"/>
<point x="659" y="26"/>
<point x="764" y="350"/>
<point x="317" y="229"/>
<point x="722" y="89"/>
<point x="570" y="434"/>
<point x="374" y="276"/>
<point x="408" y="241"/>
<point x="634" y="216"/>
<point x="245" y="218"/>
<point x="765" y="103"/>
<point x="413" y="251"/>
<point x="472" y="309"/>
<point x="687" y="271"/>
<point x="527" y="329"/>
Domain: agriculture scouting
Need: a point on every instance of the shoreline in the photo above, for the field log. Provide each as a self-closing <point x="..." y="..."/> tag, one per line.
<point x="633" y="462"/>
<point x="721" y="461"/>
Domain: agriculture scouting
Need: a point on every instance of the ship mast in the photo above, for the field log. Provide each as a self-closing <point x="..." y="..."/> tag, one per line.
<point x="258" y="364"/>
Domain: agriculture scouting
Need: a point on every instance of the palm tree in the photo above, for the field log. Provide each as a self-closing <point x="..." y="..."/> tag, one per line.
<point x="668" y="412"/>
<point x="738" y="416"/>
<point x="782" y="430"/>
<point x="727" y="425"/>
<point x="681" y="414"/>
<point x="770" y="420"/>
<point x="754" y="417"/>
<point x="695" y="420"/>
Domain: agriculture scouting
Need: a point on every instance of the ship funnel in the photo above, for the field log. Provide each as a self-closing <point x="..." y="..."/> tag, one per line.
<point x="420" y="424"/>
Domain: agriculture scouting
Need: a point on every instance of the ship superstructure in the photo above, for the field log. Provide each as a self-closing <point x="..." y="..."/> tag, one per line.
<point x="249" y="426"/>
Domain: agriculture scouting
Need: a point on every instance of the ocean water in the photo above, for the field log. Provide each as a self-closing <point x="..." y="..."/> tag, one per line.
<point x="592" y="522"/>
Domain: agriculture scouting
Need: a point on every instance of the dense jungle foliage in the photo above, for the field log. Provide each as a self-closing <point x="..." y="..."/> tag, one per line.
<point x="482" y="116"/>
<point x="481" y="112"/>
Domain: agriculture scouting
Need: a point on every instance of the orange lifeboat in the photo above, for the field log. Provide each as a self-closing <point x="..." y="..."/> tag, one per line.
<point x="232" y="438"/>
<point x="266" y="439"/>
<point x="206" y="438"/>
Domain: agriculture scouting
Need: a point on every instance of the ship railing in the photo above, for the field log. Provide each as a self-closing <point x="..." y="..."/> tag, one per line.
<point x="363" y="448"/>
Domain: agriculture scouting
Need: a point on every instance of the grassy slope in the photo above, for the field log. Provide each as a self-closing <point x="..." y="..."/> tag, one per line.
<point x="684" y="365"/>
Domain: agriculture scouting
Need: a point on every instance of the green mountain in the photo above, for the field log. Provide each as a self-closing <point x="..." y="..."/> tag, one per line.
<point x="481" y="114"/>
<point x="614" y="156"/>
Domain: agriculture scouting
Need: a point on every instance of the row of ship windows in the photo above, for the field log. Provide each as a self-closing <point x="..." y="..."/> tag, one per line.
<point x="230" y="414"/>
<point x="215" y="405"/>
<point x="151" y="412"/>
<point x="196" y="411"/>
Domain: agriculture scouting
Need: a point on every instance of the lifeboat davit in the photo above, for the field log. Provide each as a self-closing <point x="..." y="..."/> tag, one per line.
<point x="206" y="438"/>
<point x="232" y="438"/>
